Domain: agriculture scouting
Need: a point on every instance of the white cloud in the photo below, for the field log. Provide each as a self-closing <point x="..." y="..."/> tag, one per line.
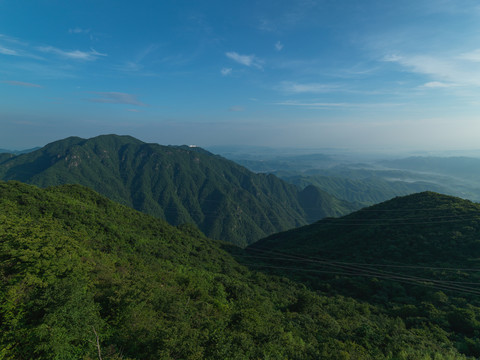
<point x="21" y="83"/>
<point x="130" y="66"/>
<point x="236" y="108"/>
<point x="16" y="48"/>
<point x="321" y="105"/>
<point x="392" y="58"/>
<point x="116" y="98"/>
<point x="278" y="46"/>
<point x="226" y="71"/>
<point x="437" y="84"/>
<point x="292" y="87"/>
<point x="313" y="104"/>
<point x="266" y="25"/>
<point x="12" y="40"/>
<point x="74" y="54"/>
<point x="247" y="60"/>
<point x="459" y="70"/>
<point x="6" y="51"/>
<point x="78" y="30"/>
<point x="471" y="56"/>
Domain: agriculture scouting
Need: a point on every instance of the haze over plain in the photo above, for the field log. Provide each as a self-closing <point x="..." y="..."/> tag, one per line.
<point x="356" y="74"/>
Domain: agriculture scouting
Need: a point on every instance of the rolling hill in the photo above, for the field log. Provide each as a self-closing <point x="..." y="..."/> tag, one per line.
<point x="370" y="189"/>
<point x="180" y="184"/>
<point x="82" y="277"/>
<point x="417" y="257"/>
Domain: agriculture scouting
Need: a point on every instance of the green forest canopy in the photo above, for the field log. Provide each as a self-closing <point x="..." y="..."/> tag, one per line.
<point x="74" y="264"/>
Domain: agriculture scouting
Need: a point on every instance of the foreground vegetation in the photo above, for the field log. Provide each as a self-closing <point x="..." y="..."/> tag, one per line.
<point x="415" y="257"/>
<point x="80" y="275"/>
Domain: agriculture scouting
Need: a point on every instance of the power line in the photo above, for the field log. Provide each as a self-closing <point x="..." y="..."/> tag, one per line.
<point x="354" y="269"/>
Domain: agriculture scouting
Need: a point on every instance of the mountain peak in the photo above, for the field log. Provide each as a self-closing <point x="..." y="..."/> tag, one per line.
<point x="180" y="184"/>
<point x="422" y="201"/>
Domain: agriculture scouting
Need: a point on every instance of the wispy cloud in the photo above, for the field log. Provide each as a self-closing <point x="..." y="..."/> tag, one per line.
<point x="437" y="84"/>
<point x="16" y="47"/>
<point x="458" y="70"/>
<point x="288" y="15"/>
<point x="278" y="46"/>
<point x="78" y="30"/>
<point x="226" y="71"/>
<point x="130" y="66"/>
<point x="236" y="108"/>
<point x="323" y="105"/>
<point x="313" y="104"/>
<point x="21" y="83"/>
<point x="11" y="40"/>
<point x="266" y="25"/>
<point x="73" y="54"/>
<point x="116" y="98"/>
<point x="46" y="71"/>
<point x="6" y="51"/>
<point x="138" y="62"/>
<point x="471" y="56"/>
<point x="247" y="60"/>
<point x="297" y="88"/>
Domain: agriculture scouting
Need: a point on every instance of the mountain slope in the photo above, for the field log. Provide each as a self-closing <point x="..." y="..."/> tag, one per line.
<point x="409" y="229"/>
<point x="177" y="183"/>
<point x="417" y="257"/>
<point x="82" y="276"/>
<point x="318" y="203"/>
<point x="457" y="166"/>
<point x="369" y="190"/>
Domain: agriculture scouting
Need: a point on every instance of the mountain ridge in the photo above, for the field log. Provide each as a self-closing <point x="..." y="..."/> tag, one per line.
<point x="178" y="183"/>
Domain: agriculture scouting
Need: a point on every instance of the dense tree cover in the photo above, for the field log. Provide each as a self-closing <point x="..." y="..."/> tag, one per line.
<point x="416" y="257"/>
<point x="458" y="166"/>
<point x="180" y="184"/>
<point x="75" y="266"/>
<point x="363" y="187"/>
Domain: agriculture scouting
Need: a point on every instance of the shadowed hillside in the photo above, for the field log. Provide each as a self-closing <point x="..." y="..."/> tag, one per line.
<point x="417" y="257"/>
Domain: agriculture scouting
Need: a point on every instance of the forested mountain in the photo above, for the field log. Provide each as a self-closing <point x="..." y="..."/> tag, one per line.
<point x="3" y="151"/>
<point x="417" y="257"/>
<point x="178" y="183"/>
<point x="84" y="278"/>
<point x="368" y="189"/>
<point x="459" y="166"/>
<point x="366" y="178"/>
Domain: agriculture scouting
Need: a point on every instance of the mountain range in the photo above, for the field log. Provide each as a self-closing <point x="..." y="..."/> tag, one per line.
<point x="180" y="184"/>
<point x="82" y="276"/>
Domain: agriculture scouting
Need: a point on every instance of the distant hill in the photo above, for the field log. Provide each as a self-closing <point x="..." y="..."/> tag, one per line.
<point x="16" y="152"/>
<point x="178" y="183"/>
<point x="461" y="167"/>
<point x="417" y="256"/>
<point x="82" y="277"/>
<point x="368" y="190"/>
<point x="365" y="178"/>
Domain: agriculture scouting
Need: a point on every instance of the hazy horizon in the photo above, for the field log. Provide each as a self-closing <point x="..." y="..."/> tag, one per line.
<point x="358" y="75"/>
<point x="242" y="151"/>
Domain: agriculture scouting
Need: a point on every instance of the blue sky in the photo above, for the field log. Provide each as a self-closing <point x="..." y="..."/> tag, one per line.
<point x="349" y="74"/>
